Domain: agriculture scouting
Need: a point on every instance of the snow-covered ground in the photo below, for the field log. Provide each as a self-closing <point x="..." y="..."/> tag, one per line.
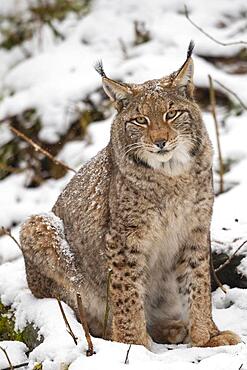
<point x="57" y="76"/>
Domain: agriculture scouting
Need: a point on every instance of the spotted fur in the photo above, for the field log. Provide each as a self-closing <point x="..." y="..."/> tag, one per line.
<point x="142" y="208"/>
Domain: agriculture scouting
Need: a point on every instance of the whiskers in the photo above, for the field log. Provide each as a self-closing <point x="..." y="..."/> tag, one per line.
<point x="136" y="147"/>
<point x="188" y="139"/>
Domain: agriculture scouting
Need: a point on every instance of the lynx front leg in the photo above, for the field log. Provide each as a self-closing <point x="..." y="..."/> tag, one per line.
<point x="126" y="292"/>
<point x="202" y="329"/>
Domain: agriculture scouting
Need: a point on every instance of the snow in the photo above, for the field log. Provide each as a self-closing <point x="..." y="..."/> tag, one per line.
<point x="54" y="80"/>
<point x="16" y="352"/>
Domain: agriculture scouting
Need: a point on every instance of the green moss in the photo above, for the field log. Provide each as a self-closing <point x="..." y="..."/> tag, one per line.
<point x="29" y="335"/>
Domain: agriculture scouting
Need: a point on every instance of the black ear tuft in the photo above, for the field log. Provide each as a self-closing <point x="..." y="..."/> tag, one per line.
<point x="190" y="49"/>
<point x="99" y="68"/>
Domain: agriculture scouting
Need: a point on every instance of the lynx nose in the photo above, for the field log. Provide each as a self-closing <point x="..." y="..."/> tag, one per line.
<point x="160" y="143"/>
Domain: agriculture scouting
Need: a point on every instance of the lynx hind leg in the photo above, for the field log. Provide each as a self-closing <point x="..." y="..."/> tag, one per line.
<point x="48" y="259"/>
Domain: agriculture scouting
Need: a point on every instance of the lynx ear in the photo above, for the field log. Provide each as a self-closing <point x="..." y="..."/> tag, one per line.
<point x="116" y="91"/>
<point x="184" y="77"/>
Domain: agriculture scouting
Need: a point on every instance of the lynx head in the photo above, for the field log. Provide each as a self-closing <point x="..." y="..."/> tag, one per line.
<point x="158" y="124"/>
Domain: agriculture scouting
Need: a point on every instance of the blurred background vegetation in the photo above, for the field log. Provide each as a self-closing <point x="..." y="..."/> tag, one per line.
<point x="15" y="30"/>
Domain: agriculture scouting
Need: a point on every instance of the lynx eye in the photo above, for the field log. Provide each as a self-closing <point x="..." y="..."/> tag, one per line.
<point x="171" y="114"/>
<point x="141" y="120"/>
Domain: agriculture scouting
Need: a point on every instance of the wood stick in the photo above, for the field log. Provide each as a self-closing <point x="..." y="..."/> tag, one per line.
<point x="220" y="285"/>
<point x="213" y="110"/>
<point x="4" y="231"/>
<point x="16" y="366"/>
<point x="230" y="258"/>
<point x="38" y="148"/>
<point x="8" y="359"/>
<point x="107" y="303"/>
<point x="90" y="350"/>
<point x="186" y="12"/>
<point x="231" y="92"/>
<point x="69" y="330"/>
<point x="127" y="355"/>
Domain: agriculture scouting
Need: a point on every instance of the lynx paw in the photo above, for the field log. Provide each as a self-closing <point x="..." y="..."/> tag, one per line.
<point x="177" y="332"/>
<point x="224" y="338"/>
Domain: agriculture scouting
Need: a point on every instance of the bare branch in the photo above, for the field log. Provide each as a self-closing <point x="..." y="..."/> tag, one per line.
<point x="90" y="350"/>
<point x="39" y="149"/>
<point x="127" y="355"/>
<point x="107" y="303"/>
<point x="16" y="366"/>
<point x="4" y="231"/>
<point x="231" y="92"/>
<point x="208" y="35"/>
<point x="7" y="357"/>
<point x="230" y="258"/>
<point x="217" y="280"/>
<point x="213" y="110"/>
<point x="66" y="322"/>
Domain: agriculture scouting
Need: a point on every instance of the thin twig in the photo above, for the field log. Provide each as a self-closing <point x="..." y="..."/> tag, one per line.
<point x="231" y="92"/>
<point x="16" y="366"/>
<point x="55" y="30"/>
<point x="220" y="285"/>
<point x="123" y="48"/>
<point x="127" y="355"/>
<point x="7" y="357"/>
<point x="230" y="258"/>
<point x="69" y="330"/>
<point x="186" y="12"/>
<point x="39" y="149"/>
<point x="90" y="350"/>
<point x="213" y="110"/>
<point x="4" y="231"/>
<point x="107" y="303"/>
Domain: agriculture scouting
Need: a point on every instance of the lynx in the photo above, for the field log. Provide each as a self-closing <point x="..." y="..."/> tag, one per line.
<point x="142" y="209"/>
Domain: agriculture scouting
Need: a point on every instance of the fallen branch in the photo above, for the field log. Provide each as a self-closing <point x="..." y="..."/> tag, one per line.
<point x="233" y="93"/>
<point x="127" y="355"/>
<point x="7" y="357"/>
<point x="220" y="285"/>
<point x="69" y="330"/>
<point x="213" y="110"/>
<point x="107" y="303"/>
<point x="4" y="231"/>
<point x="186" y="12"/>
<point x="90" y="350"/>
<point x="16" y="366"/>
<point x="38" y="148"/>
<point x="230" y="258"/>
